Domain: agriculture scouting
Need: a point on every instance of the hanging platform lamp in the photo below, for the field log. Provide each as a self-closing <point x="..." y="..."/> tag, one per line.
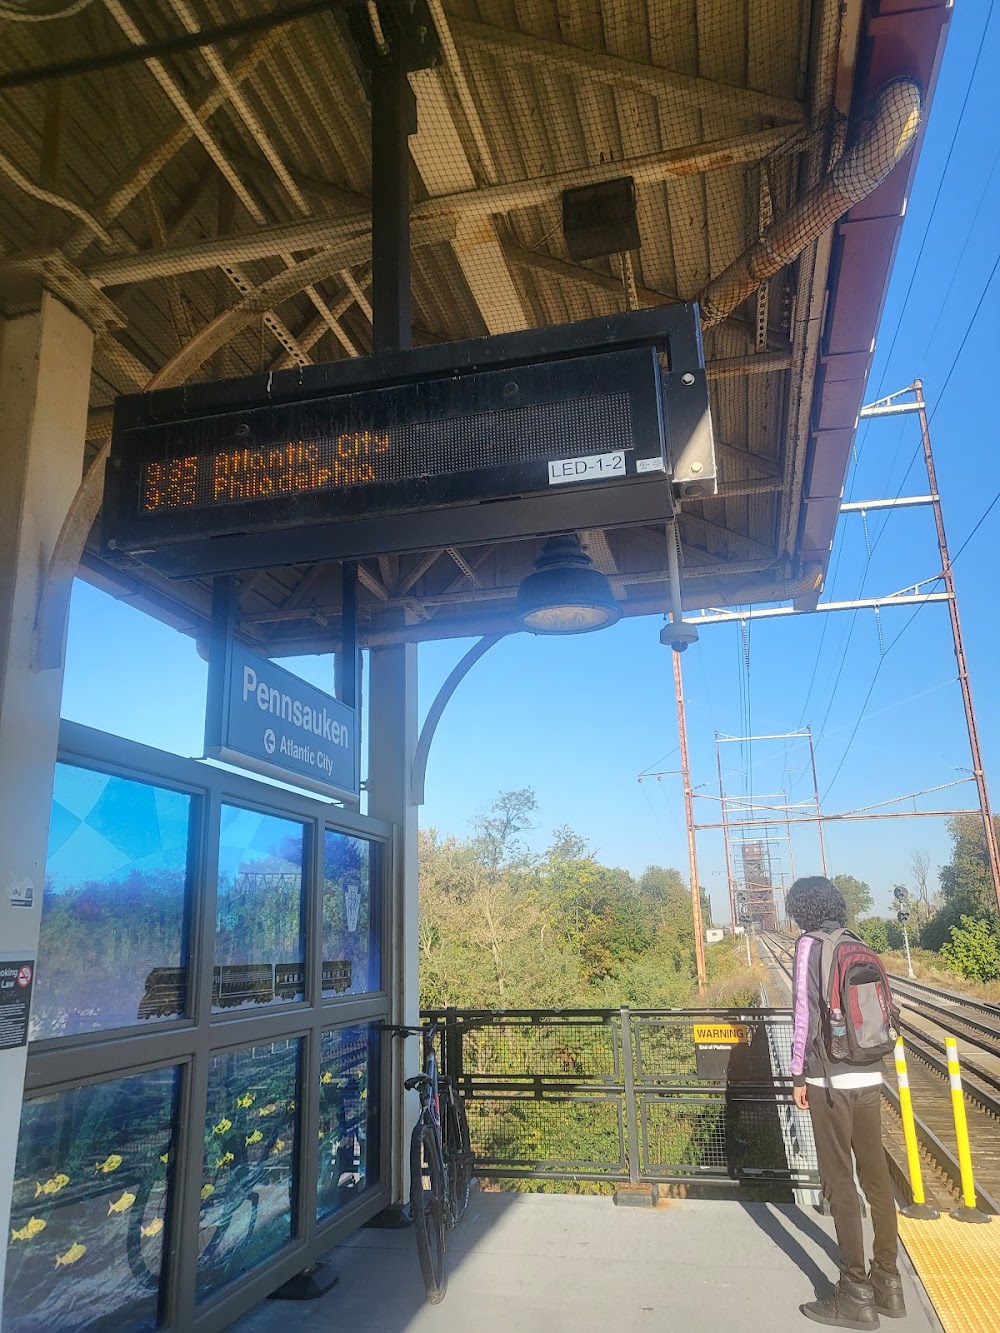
<point x="565" y="594"/>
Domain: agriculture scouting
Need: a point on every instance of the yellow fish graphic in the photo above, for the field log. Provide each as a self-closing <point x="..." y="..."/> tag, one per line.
<point x="291" y="1106"/>
<point x="246" y="1100"/>
<point x="223" y="1127"/>
<point x="121" y="1205"/>
<point x="52" y="1186"/>
<point x="33" y="1226"/>
<point x="110" y="1164"/>
<point x="255" y="1137"/>
<point x="76" y="1251"/>
<point x="154" y="1228"/>
<point x="279" y="1146"/>
<point x="207" y="1191"/>
<point x="225" y="1160"/>
<point x="269" y="1109"/>
<point x="327" y="1077"/>
<point x="164" y="1157"/>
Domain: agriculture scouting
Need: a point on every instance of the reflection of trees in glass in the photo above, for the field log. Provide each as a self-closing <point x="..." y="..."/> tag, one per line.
<point x="345" y="1115"/>
<point x="248" y="1163"/>
<point x="349" y="925"/>
<point x="258" y="912"/>
<point x="99" y="941"/>
<point x="88" y="1163"/>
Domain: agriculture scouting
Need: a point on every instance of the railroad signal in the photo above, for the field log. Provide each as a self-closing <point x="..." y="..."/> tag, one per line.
<point x="902" y="917"/>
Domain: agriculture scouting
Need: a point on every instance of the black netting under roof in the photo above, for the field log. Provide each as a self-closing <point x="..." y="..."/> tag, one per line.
<point x="164" y="180"/>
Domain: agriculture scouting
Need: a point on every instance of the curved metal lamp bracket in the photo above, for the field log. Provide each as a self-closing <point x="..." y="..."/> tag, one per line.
<point x="419" y="770"/>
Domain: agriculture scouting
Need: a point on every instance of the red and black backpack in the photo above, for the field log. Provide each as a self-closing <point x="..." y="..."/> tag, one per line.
<point x="860" y="1019"/>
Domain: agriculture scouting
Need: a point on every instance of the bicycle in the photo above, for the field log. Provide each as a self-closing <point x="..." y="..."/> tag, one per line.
<point x="441" y="1161"/>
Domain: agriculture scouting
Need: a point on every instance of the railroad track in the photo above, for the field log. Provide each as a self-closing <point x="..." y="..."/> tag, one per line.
<point x="925" y="1021"/>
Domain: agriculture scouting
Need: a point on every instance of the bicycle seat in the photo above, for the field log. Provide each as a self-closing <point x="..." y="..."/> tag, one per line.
<point x="417" y="1081"/>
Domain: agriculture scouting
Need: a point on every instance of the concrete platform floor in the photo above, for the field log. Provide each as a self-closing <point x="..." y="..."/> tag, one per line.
<point x="534" y="1263"/>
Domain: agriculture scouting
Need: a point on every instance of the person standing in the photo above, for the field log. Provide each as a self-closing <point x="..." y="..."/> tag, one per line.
<point x="844" y="1102"/>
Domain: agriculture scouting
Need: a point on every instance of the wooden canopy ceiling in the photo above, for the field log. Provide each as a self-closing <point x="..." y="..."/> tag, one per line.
<point x="161" y="192"/>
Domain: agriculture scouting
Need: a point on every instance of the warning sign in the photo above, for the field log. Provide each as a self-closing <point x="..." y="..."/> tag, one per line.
<point x="16" y="978"/>
<point x="714" y="1044"/>
<point x="721" y="1034"/>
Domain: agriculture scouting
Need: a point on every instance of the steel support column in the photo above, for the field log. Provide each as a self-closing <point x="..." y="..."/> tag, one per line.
<point x="45" y="360"/>
<point x="394" y="119"/>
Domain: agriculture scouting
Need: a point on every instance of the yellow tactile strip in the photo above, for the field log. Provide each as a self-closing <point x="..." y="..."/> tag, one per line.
<point x="959" y="1265"/>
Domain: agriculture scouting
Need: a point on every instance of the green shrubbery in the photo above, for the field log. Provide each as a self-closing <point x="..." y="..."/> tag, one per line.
<point x="974" y="949"/>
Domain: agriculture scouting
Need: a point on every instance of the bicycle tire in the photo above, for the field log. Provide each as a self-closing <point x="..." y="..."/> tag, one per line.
<point x="428" y="1204"/>
<point x="458" y="1156"/>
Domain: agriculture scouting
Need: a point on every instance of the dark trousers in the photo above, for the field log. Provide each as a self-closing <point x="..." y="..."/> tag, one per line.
<point x="854" y="1122"/>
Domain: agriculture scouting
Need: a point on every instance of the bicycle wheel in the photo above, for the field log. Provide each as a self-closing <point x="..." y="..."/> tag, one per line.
<point x="458" y="1156"/>
<point x="429" y="1205"/>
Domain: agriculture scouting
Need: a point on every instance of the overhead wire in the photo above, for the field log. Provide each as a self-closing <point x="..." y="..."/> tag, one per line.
<point x="871" y="688"/>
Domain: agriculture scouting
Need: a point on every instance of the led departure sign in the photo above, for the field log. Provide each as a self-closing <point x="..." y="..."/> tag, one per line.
<point x="408" y="451"/>
<point x="234" y="476"/>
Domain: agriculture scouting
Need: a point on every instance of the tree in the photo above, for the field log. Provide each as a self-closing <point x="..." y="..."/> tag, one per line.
<point x="498" y="829"/>
<point x="872" y="930"/>
<point x="966" y="884"/>
<point x="920" y="865"/>
<point x="966" y="878"/>
<point x="857" y="896"/>
<point x="569" y="846"/>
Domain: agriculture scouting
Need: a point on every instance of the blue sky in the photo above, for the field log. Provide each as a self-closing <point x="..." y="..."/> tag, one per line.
<point x="578" y="720"/>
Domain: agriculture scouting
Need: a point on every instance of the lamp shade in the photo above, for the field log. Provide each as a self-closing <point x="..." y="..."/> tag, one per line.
<point x="565" y="594"/>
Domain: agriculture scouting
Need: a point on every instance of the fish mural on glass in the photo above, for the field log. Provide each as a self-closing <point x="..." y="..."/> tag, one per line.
<point x="52" y="1186"/>
<point x="269" y="1109"/>
<point x="207" y="1191"/>
<point x="327" y="1077"/>
<point x="123" y="1204"/>
<point x="75" y="1252"/>
<point x="31" y="1229"/>
<point x="226" y="1159"/>
<point x="246" y="1100"/>
<point x="154" y="1228"/>
<point x="255" y="1137"/>
<point x="223" y="1127"/>
<point x="279" y="1147"/>
<point x="111" y="1163"/>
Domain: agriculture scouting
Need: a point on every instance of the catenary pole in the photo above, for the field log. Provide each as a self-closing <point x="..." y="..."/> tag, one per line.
<point x="699" y="934"/>
<point x="992" y="851"/>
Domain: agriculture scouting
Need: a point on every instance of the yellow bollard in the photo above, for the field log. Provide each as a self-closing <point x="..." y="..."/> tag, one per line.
<point x="968" y="1211"/>
<point x="919" y="1208"/>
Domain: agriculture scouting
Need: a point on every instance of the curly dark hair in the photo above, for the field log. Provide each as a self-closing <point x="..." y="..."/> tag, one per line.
<point x="813" y="900"/>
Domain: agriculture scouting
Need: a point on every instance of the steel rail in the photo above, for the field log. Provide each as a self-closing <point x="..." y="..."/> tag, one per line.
<point x="982" y="1005"/>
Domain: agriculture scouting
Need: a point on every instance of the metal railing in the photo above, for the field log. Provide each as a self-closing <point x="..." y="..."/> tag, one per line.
<point x="627" y="1095"/>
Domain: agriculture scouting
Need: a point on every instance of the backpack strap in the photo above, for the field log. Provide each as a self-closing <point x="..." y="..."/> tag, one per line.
<point x="828" y="945"/>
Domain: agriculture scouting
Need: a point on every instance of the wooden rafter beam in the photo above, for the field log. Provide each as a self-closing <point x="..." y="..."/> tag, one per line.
<point x="346" y="236"/>
<point x="665" y="84"/>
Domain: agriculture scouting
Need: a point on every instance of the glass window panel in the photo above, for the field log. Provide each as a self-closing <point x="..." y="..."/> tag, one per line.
<point x="259" y="943"/>
<point x="113" y="939"/>
<point x="248" y="1182"/>
<point x="348" y="1105"/>
<point x="350" y="915"/>
<point x="91" y="1206"/>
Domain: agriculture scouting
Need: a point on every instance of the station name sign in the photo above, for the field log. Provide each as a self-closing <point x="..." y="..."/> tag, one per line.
<point x="413" y="450"/>
<point x="262" y="717"/>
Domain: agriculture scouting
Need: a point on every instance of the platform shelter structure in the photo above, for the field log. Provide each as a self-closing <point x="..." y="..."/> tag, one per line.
<point x="198" y="193"/>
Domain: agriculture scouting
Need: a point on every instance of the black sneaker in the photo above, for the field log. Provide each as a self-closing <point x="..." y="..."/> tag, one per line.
<point x="888" y="1288"/>
<point x="850" y="1305"/>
